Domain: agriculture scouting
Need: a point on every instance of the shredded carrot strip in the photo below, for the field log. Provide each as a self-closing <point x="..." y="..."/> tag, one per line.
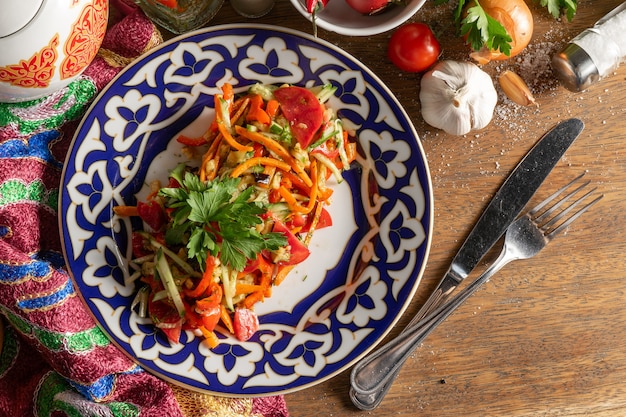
<point x="253" y="298"/>
<point x="226" y="319"/>
<point x="247" y="288"/>
<point x="277" y="148"/>
<point x="256" y="111"/>
<point x="269" y="143"/>
<point x="291" y="200"/>
<point x="294" y="205"/>
<point x="231" y="141"/>
<point x="126" y="211"/>
<point x="227" y="91"/>
<point x="261" y="160"/>
<point x="282" y="273"/>
<point x="210" y="337"/>
<point x="206" y="279"/>
<point x="239" y="108"/>
<point x="316" y="219"/>
<point x="351" y="151"/>
<point x="267" y="270"/>
<point x="271" y="108"/>
<point x="297" y="182"/>
<point x="211" y="154"/>
<point x="313" y="195"/>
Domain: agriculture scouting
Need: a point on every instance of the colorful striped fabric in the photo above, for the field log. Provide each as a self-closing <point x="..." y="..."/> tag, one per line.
<point x="54" y="360"/>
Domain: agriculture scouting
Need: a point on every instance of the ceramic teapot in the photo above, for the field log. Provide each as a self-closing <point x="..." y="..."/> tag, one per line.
<point x="46" y="44"/>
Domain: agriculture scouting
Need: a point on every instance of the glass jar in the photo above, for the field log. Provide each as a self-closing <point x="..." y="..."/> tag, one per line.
<point x="252" y="8"/>
<point x="180" y="16"/>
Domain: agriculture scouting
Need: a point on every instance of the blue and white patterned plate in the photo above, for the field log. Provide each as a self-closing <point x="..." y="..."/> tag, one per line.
<point x="363" y="271"/>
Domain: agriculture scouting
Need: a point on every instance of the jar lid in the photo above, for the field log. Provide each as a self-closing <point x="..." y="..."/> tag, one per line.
<point x="16" y="14"/>
<point x="575" y="68"/>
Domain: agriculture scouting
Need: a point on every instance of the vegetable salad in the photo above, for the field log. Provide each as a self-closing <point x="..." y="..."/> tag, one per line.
<point x="219" y="237"/>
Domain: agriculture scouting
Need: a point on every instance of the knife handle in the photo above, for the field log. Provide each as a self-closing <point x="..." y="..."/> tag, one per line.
<point x="372" y="377"/>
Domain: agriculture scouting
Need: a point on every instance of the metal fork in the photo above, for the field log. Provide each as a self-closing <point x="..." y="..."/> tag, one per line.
<point x="372" y="377"/>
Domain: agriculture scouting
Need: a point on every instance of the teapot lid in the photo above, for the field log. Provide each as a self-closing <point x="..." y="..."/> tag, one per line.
<point x="16" y="14"/>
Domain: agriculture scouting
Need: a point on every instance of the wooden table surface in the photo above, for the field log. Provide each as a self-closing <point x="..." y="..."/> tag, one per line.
<point x="546" y="336"/>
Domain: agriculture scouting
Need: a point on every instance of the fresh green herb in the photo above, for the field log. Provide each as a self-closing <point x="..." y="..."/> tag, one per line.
<point x="555" y="7"/>
<point x="215" y="218"/>
<point x="483" y="30"/>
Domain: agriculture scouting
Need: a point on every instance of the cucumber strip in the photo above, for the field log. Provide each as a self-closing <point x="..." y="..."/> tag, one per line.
<point x="165" y="273"/>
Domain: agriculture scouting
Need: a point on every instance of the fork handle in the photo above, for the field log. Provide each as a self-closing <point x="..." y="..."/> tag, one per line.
<point x="372" y="377"/>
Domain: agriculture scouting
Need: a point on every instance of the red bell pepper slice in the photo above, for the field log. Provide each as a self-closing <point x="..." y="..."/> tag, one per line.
<point x="209" y="306"/>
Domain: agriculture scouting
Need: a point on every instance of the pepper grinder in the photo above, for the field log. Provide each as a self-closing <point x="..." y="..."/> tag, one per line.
<point x="594" y="53"/>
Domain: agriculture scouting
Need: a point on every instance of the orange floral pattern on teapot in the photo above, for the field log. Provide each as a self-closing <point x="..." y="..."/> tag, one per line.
<point x="87" y="33"/>
<point x="35" y="71"/>
<point x="80" y="48"/>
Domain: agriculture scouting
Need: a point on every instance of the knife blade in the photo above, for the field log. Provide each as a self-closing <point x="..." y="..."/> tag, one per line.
<point x="505" y="206"/>
<point x="367" y="386"/>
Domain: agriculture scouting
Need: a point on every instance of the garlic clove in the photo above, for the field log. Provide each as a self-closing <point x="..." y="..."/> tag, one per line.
<point x="516" y="89"/>
<point x="457" y="97"/>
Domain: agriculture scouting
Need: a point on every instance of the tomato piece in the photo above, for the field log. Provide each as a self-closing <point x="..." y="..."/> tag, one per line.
<point x="153" y="214"/>
<point x="297" y="220"/>
<point x="413" y="47"/>
<point x="303" y="111"/>
<point x="252" y="265"/>
<point x="166" y="318"/>
<point x="325" y="220"/>
<point x="298" y="250"/>
<point x="137" y="242"/>
<point x="327" y="149"/>
<point x="245" y="323"/>
<point x="274" y="196"/>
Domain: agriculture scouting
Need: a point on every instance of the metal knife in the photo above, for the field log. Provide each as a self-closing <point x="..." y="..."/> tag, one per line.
<point x="504" y="207"/>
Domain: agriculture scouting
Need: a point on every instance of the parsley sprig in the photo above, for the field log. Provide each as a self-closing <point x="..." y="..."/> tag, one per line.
<point x="555" y="7"/>
<point x="483" y="30"/>
<point x="214" y="217"/>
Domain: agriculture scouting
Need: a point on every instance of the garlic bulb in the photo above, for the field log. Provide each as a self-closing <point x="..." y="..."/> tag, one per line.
<point x="457" y="97"/>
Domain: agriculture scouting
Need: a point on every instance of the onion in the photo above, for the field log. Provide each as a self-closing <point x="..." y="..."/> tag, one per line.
<point x="516" y="18"/>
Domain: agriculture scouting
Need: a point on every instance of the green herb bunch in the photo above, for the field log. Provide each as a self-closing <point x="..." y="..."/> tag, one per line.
<point x="215" y="217"/>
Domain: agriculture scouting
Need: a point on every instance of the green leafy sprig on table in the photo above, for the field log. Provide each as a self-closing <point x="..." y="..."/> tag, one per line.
<point x="484" y="31"/>
<point x="215" y="217"/>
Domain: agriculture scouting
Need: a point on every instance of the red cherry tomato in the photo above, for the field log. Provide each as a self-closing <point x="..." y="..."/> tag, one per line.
<point x="413" y="47"/>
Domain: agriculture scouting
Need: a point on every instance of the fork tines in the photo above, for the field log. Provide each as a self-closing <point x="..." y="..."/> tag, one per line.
<point x="551" y="226"/>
